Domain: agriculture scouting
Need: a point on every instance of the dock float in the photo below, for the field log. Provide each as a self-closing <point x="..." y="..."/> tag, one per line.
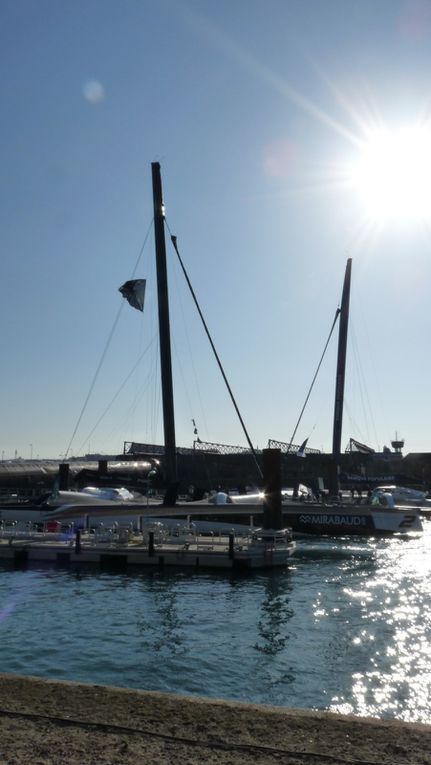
<point x="122" y="548"/>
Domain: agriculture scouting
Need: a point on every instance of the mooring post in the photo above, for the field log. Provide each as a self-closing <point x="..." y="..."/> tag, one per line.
<point x="272" y="516"/>
<point x="63" y="476"/>
<point x="103" y="467"/>
<point x="151" y="544"/>
<point x="78" y="542"/>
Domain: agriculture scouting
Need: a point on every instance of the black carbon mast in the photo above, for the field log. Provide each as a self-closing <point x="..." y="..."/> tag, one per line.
<point x="171" y="470"/>
<point x="340" y="378"/>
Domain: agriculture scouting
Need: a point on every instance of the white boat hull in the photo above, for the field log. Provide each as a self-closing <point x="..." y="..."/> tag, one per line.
<point x="301" y="517"/>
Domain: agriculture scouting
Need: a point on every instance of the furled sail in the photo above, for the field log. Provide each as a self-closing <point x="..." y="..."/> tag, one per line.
<point x="134" y="292"/>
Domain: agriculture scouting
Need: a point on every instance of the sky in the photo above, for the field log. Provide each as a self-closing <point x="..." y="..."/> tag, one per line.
<point x="292" y="135"/>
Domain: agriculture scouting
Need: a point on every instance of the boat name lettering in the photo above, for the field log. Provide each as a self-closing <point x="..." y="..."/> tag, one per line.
<point x="334" y="520"/>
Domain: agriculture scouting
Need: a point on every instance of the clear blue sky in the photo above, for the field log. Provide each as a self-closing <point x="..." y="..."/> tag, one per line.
<point x="258" y="113"/>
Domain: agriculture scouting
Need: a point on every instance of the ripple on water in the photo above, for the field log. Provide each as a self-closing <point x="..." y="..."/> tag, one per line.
<point x="346" y="628"/>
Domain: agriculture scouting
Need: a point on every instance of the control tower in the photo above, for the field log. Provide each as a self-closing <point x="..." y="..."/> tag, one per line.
<point x="397" y="444"/>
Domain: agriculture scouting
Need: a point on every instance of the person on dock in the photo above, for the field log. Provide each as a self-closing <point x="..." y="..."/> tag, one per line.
<point x="387" y="499"/>
<point x="221" y="497"/>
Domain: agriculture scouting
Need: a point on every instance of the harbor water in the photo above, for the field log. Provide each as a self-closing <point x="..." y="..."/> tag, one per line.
<point x="346" y="627"/>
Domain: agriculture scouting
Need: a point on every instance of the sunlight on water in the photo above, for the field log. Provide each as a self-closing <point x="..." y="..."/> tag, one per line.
<point x="346" y="628"/>
<point x="394" y="604"/>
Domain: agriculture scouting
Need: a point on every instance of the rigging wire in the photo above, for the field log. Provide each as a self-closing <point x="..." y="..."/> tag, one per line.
<point x="364" y="384"/>
<point x="105" y="350"/>
<point x="371" y="360"/>
<point x="132" y="409"/>
<point x="361" y="383"/>
<point x="96" y="374"/>
<point x="337" y="313"/>
<point x="174" y="242"/>
<point x="107" y="408"/>
<point x="154" y="415"/>
<point x="191" y="362"/>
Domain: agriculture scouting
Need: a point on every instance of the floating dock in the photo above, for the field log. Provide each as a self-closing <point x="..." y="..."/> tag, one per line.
<point x="119" y="548"/>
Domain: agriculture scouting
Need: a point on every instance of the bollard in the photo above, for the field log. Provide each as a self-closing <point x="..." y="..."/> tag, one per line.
<point x="151" y="544"/>
<point x="78" y="542"/>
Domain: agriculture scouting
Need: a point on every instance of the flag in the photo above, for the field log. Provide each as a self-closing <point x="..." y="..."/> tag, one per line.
<point x="301" y="450"/>
<point x="134" y="292"/>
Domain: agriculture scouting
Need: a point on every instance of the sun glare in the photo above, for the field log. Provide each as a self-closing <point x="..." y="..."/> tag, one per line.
<point x="393" y="174"/>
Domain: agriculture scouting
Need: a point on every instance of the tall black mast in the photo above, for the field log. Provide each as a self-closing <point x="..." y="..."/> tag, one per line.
<point x="165" y="341"/>
<point x="341" y="365"/>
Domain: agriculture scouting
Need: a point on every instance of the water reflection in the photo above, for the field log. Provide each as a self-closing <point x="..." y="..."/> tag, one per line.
<point x="161" y="624"/>
<point x="347" y="627"/>
<point x="274" y="614"/>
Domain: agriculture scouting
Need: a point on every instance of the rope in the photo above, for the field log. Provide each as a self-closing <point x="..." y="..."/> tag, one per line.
<point x="337" y="313"/>
<point x="174" y="242"/>
<point x="102" y="358"/>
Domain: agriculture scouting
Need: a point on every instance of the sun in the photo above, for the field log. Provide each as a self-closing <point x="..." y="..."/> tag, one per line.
<point x="393" y="174"/>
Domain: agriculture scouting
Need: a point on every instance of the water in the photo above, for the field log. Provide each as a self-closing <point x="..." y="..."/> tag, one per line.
<point x="346" y="628"/>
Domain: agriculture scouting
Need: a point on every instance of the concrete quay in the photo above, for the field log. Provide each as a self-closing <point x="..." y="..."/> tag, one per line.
<point x="47" y="722"/>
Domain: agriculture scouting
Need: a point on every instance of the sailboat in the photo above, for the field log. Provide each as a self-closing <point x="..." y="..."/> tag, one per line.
<point x="332" y="516"/>
<point x="94" y="510"/>
<point x="337" y="517"/>
<point x="303" y="517"/>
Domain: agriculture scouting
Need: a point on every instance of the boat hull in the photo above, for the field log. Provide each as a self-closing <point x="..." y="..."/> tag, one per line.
<point x="345" y="520"/>
<point x="302" y="518"/>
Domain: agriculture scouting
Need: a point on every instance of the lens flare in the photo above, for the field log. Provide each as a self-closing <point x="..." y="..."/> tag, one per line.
<point x="393" y="174"/>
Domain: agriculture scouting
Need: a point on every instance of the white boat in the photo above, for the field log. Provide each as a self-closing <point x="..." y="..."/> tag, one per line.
<point x="340" y="517"/>
<point x="333" y="518"/>
<point x="77" y="502"/>
<point x="140" y="516"/>
<point x="345" y="519"/>
<point x="401" y="495"/>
